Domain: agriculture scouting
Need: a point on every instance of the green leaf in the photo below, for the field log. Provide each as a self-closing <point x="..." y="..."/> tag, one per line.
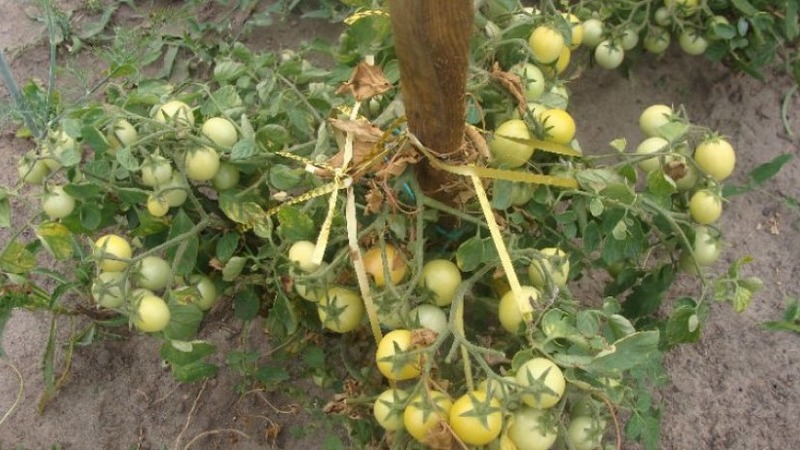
<point x="661" y="187"/>
<point x="17" y="259"/>
<point x="195" y="371"/>
<point x="295" y="225"/>
<point x="184" y="321"/>
<point x="246" y="305"/>
<point x="227" y="245"/>
<point x="270" y="375"/>
<point x="233" y="268"/>
<point x="745" y="7"/>
<point x="82" y="190"/>
<point x="646" y="298"/>
<point x="272" y="136"/>
<point x="5" y="211"/>
<point x="126" y="159"/>
<point x="228" y="70"/>
<point x="285" y="178"/>
<point x="759" y="175"/>
<point x="686" y="322"/>
<point x="183" y="255"/>
<point x="185" y="352"/>
<point x="624" y="354"/>
<point x="95" y="139"/>
<point x="243" y="149"/>
<point x="57" y="239"/>
<point x="619" y="144"/>
<point x="791" y="24"/>
<point x="475" y="251"/>
<point x="282" y="320"/>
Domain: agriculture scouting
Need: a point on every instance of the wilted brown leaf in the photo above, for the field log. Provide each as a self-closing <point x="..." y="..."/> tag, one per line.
<point x="374" y="201"/>
<point x="365" y="82"/>
<point x="513" y="85"/>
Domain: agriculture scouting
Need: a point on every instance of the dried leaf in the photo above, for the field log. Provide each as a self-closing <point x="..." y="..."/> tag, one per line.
<point x="365" y="82"/>
<point x="374" y="201"/>
<point x="366" y="142"/>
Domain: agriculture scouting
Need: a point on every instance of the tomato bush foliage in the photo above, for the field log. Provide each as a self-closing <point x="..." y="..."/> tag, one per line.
<point x="286" y="192"/>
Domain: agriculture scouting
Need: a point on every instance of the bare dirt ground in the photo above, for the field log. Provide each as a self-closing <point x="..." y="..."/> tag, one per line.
<point x="739" y="388"/>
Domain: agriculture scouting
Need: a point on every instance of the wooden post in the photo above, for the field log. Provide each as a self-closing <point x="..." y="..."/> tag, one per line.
<point x="432" y="45"/>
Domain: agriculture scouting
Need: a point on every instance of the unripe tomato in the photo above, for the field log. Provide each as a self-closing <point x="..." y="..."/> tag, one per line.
<point x="201" y="163"/>
<point x="156" y="170"/>
<point x="546" y="44"/>
<point x="507" y="147"/>
<point x="208" y="292"/>
<point x="681" y="172"/>
<point x="508" y="308"/>
<point x="57" y="143"/>
<point x="57" y="204"/>
<point x="388" y="409"/>
<point x="532" y="80"/>
<point x="221" y="131"/>
<point x="227" y="177"/>
<point x="527" y="432"/>
<point x="546" y="380"/>
<point x="153" y="273"/>
<point x="705" y="207"/>
<point x="501" y="390"/>
<point x="175" y="111"/>
<point x="32" y="170"/>
<point x="662" y="16"/>
<point x="442" y="277"/>
<point x="651" y="145"/>
<point x="390" y="358"/>
<point x="425" y="412"/>
<point x="373" y="264"/>
<point x="555" y="264"/>
<point x="585" y="433"/>
<point x="125" y="132"/>
<point x="110" y="289"/>
<point x="629" y="39"/>
<point x="656" y="40"/>
<point x="300" y="254"/>
<point x="682" y="7"/>
<point x="692" y="42"/>
<point x="716" y="158"/>
<point x="175" y="191"/>
<point x="608" y="54"/>
<point x="157" y="205"/>
<point x="152" y="314"/>
<point x="653" y="117"/>
<point x="559" y="124"/>
<point x="592" y="33"/>
<point x="430" y="317"/>
<point x="340" y="310"/>
<point x="707" y="248"/>
<point x="112" y="246"/>
<point x="476" y="419"/>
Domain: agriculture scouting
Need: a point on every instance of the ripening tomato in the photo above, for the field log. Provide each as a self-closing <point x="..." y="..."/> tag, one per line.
<point x="153" y="273"/>
<point x="112" y="246"/>
<point x="156" y="170"/>
<point x="554" y="267"/>
<point x="527" y="429"/>
<point x="430" y="317"/>
<point x="340" y="310"/>
<point x="511" y="147"/>
<point x="388" y="409"/>
<point x="716" y="158"/>
<point x="705" y="207"/>
<point x="373" y="264"/>
<point x="651" y="145"/>
<point x="441" y="277"/>
<point x="175" y="111"/>
<point x="532" y="80"/>
<point x="476" y="418"/>
<point x="425" y="412"/>
<point x="692" y="42"/>
<point x="157" y="205"/>
<point x="57" y="204"/>
<point x="201" y="163"/>
<point x="559" y="124"/>
<point x="592" y="33"/>
<point x="110" y="289"/>
<point x="609" y="54"/>
<point x="508" y="308"/>
<point x="653" y="117"/>
<point x="546" y="44"/>
<point x="31" y="169"/>
<point x="546" y="381"/>
<point x="656" y="40"/>
<point x="221" y="132"/>
<point x="152" y="314"/>
<point x="300" y="254"/>
<point x="390" y="357"/>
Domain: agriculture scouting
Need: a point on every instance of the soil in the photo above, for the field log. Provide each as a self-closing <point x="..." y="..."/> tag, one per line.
<point x="738" y="388"/>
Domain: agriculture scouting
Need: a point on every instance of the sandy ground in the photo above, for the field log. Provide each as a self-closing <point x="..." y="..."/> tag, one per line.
<point x="739" y="388"/>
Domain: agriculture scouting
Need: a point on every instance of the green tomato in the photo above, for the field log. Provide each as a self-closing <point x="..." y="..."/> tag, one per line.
<point x="340" y="310"/>
<point x="532" y="80"/>
<point x="221" y="132"/>
<point x="476" y="418"/>
<point x="152" y="314"/>
<point x="707" y="248"/>
<point x="692" y="42"/>
<point x="653" y="118"/>
<point x="57" y="204"/>
<point x="531" y="429"/>
<point x="705" y="207"/>
<point x="585" y="433"/>
<point x="716" y="157"/>
<point x="112" y="246"/>
<point x="656" y="40"/>
<point x="609" y="54"/>
<point x="508" y="148"/>
<point x="592" y="33"/>
<point x="629" y="38"/>
<point x="508" y="309"/>
<point x="156" y="170"/>
<point x="441" y="277"/>
<point x="662" y="16"/>
<point x="651" y="145"/>
<point x="546" y="44"/>
<point x="430" y="317"/>
<point x="32" y="170"/>
<point x="389" y="407"/>
<point x="227" y="177"/>
<point x="555" y="264"/>
<point x="175" y="111"/>
<point x="110" y="289"/>
<point x="153" y="273"/>
<point x="125" y="132"/>
<point x="201" y="163"/>
<point x="208" y="291"/>
<point x="545" y="379"/>
<point x="157" y="205"/>
<point x="175" y="191"/>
